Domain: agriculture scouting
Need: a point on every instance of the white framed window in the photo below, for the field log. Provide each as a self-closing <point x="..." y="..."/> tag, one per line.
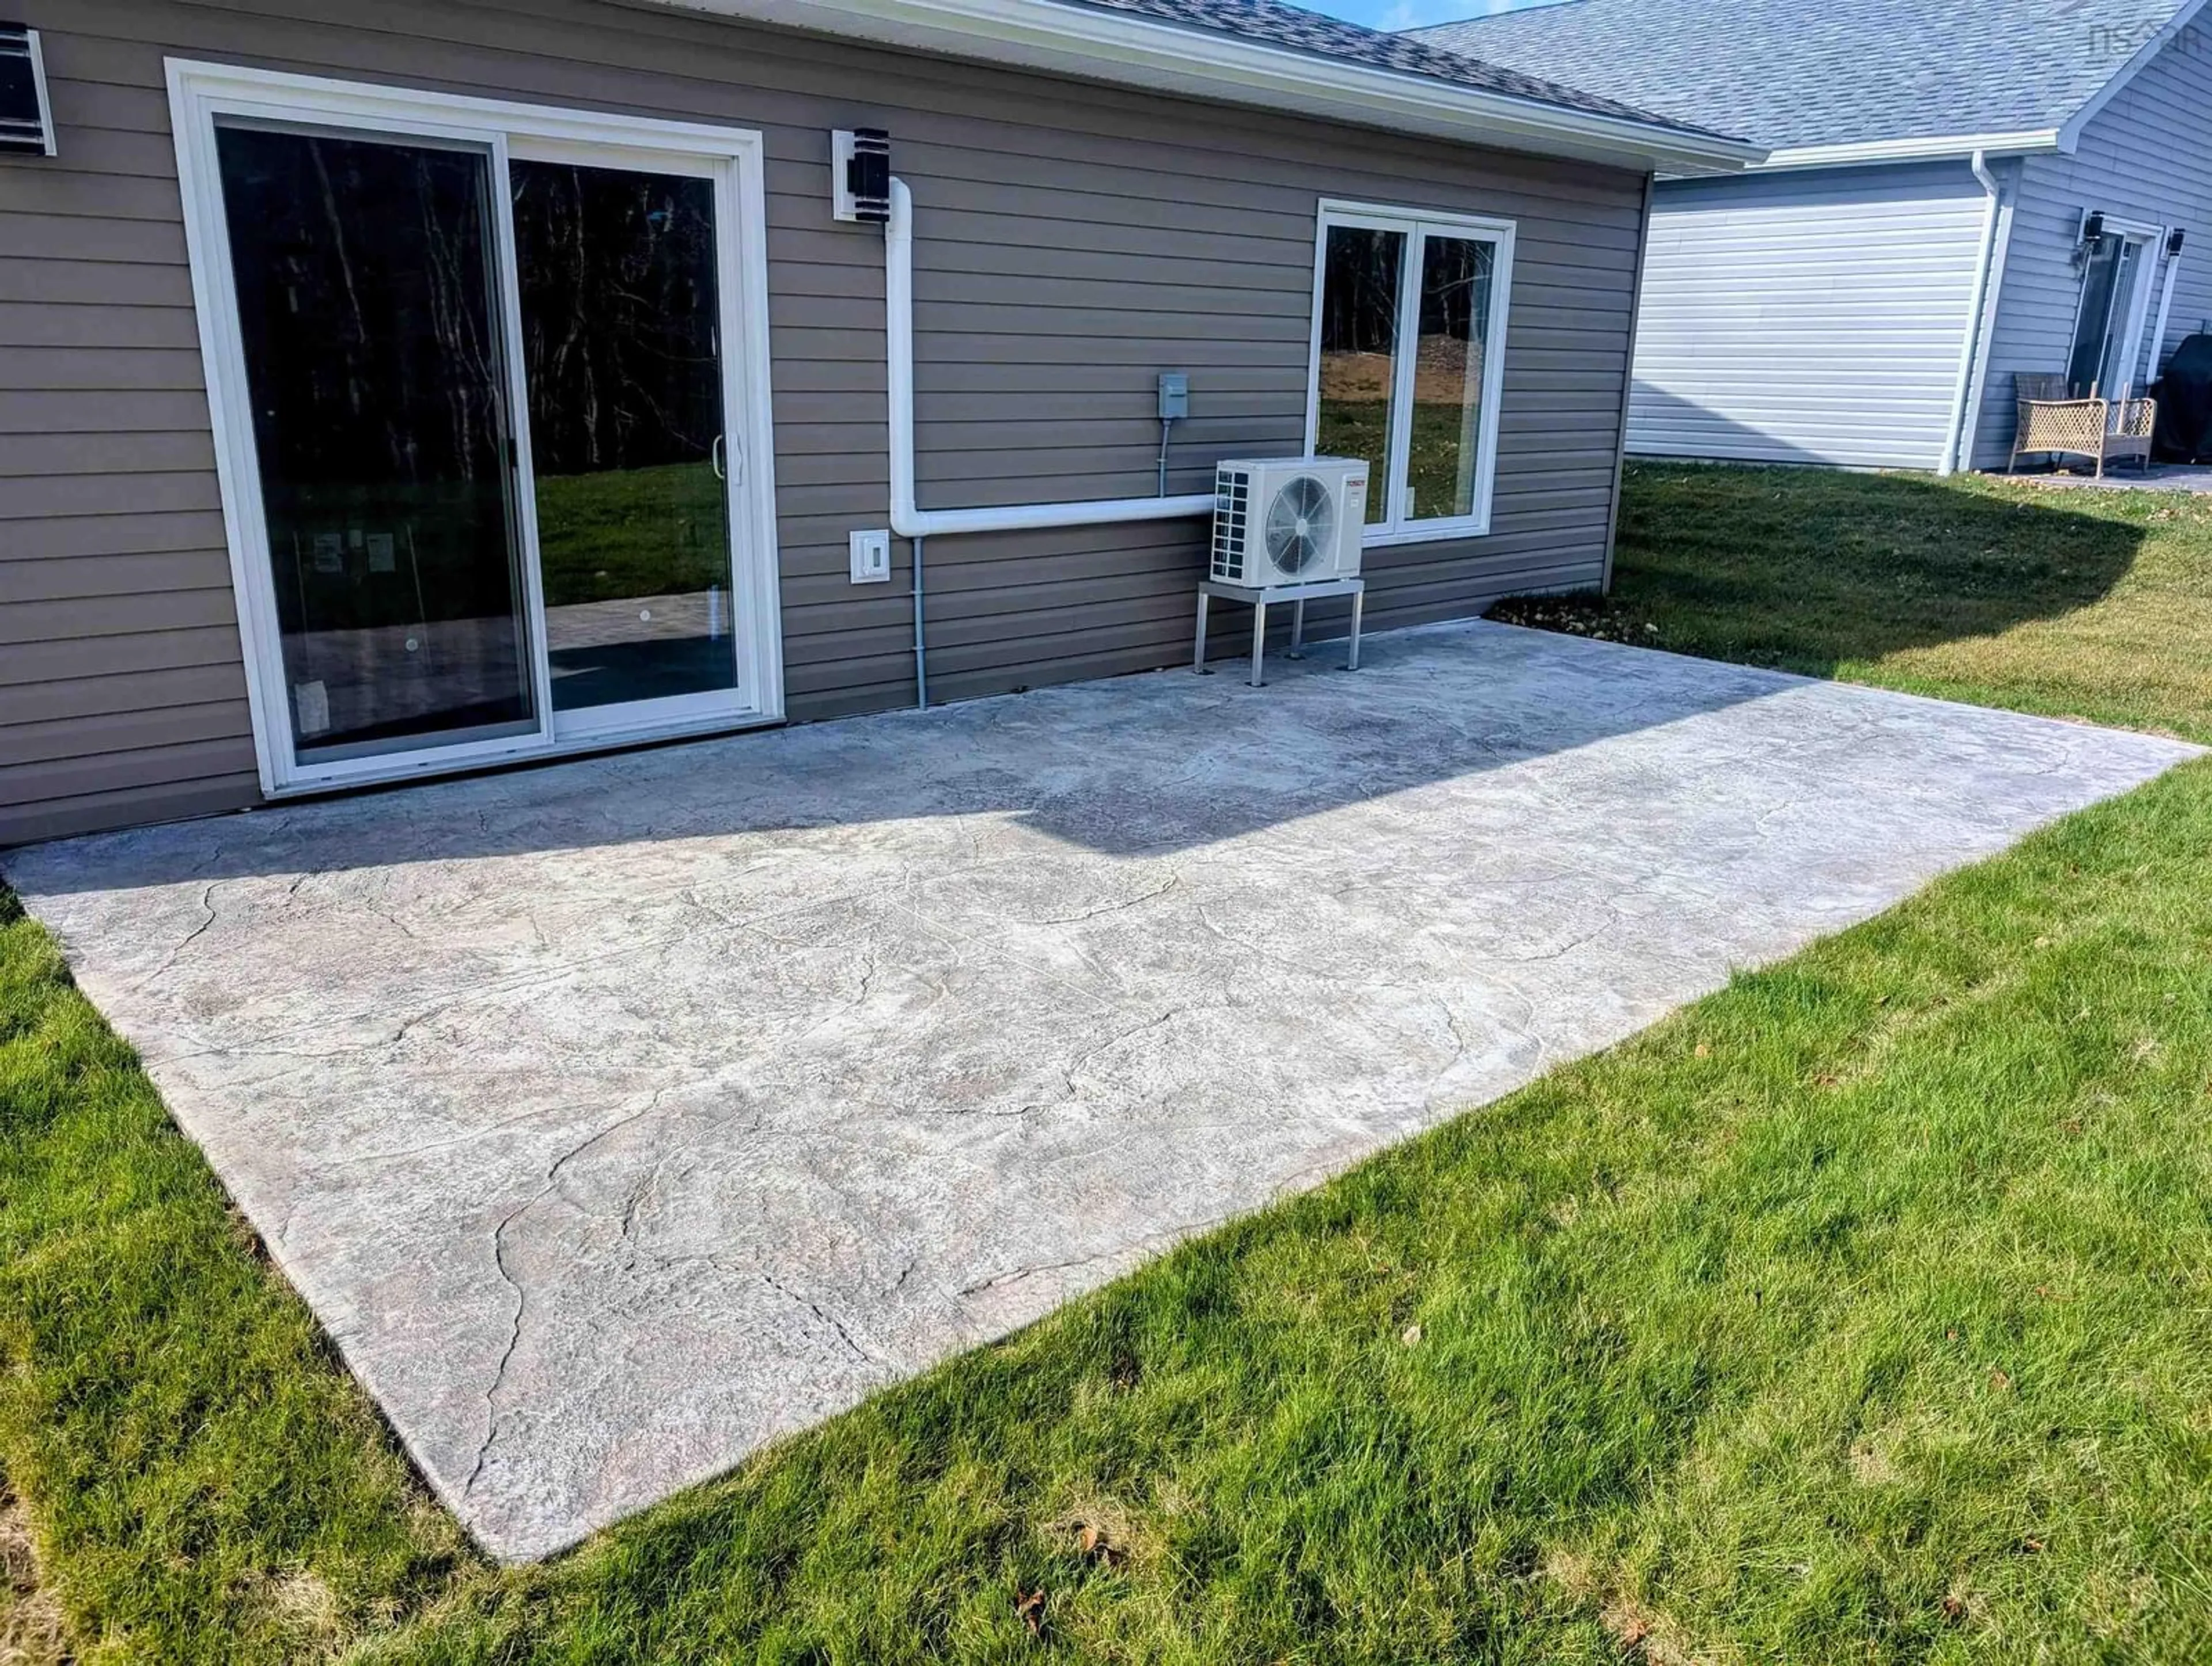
<point x="1407" y="367"/>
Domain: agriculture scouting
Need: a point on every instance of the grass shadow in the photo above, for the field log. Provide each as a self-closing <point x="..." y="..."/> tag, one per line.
<point x="2092" y="605"/>
<point x="1813" y="571"/>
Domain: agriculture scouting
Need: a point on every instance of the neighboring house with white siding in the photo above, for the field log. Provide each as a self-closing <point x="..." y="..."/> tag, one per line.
<point x="1919" y="233"/>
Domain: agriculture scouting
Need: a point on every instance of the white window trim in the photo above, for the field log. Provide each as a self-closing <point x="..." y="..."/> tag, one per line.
<point x="734" y="157"/>
<point x="1418" y="225"/>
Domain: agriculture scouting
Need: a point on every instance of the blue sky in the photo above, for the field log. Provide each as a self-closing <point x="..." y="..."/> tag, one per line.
<point x="1411" y="14"/>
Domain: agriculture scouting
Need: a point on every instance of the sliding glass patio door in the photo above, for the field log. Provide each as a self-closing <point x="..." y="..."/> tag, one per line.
<point x="370" y="319"/>
<point x="627" y="443"/>
<point x="487" y="405"/>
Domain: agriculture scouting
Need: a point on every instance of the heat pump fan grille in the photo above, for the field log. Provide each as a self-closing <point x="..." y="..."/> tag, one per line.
<point x="1301" y="525"/>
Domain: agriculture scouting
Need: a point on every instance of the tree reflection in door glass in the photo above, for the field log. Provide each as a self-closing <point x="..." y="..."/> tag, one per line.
<point x="619" y="321"/>
<point x="365" y="309"/>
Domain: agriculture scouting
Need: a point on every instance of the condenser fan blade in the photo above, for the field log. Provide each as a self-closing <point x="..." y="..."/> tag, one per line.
<point x="1301" y="524"/>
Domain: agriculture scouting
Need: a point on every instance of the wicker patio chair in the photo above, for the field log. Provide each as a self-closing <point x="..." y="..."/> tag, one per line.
<point x="2128" y="435"/>
<point x="2098" y="430"/>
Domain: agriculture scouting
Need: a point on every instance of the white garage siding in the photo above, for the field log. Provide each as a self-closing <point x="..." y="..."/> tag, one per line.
<point x="1808" y="318"/>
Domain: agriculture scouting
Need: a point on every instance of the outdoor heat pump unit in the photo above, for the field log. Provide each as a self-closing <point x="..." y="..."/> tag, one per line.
<point x="27" y="119"/>
<point x="1282" y="522"/>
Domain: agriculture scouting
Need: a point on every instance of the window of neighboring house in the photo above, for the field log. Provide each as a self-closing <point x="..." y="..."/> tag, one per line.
<point x="1409" y="362"/>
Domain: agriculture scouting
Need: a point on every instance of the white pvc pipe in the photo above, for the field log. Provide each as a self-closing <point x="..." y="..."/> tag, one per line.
<point x="909" y="521"/>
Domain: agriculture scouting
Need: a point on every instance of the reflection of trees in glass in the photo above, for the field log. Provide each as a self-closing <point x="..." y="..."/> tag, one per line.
<point x="364" y="294"/>
<point x="1448" y="361"/>
<point x="1360" y="295"/>
<point x="1359" y="342"/>
<point x="363" y="272"/>
<point x="618" y="316"/>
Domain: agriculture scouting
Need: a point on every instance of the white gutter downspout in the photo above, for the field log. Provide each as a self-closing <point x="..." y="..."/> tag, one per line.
<point x="910" y="521"/>
<point x="1961" y="397"/>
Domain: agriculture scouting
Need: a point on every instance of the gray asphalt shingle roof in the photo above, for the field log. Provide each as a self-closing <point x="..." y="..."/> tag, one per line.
<point x="1269" y="23"/>
<point x="1789" y="73"/>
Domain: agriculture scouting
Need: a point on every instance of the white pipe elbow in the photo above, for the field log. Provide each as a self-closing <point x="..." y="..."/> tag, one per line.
<point x="908" y="518"/>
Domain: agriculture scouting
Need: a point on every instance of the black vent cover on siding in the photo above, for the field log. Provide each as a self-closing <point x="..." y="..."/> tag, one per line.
<point x="26" y="124"/>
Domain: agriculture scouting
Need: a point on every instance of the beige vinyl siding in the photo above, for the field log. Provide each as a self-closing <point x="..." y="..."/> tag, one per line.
<point x="2147" y="155"/>
<point x="1072" y="240"/>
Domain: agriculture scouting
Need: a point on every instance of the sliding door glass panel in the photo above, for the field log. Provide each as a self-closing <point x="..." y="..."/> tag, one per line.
<point x="2100" y="297"/>
<point x="1456" y="275"/>
<point x="368" y="318"/>
<point x="1359" y="352"/>
<point x="620" y="355"/>
<point x="2113" y="374"/>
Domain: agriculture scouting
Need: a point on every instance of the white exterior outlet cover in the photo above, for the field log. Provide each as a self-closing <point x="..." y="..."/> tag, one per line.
<point x="872" y="557"/>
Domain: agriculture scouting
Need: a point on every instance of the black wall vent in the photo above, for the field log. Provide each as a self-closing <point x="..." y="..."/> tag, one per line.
<point x="27" y="121"/>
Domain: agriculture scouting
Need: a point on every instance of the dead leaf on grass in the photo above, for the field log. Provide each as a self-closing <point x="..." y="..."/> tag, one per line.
<point x="1098" y="1544"/>
<point x="1412" y="1334"/>
<point x="1031" y="1607"/>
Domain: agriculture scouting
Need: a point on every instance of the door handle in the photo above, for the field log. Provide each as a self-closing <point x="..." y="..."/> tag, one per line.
<point x="714" y="457"/>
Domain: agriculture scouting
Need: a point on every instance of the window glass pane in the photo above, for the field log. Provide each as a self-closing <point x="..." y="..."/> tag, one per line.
<point x="1457" y="277"/>
<point x="619" y="352"/>
<point x="1359" y="352"/>
<point x="365" y="306"/>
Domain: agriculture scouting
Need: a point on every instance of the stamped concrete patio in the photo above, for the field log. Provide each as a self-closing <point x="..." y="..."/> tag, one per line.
<point x="620" y="1116"/>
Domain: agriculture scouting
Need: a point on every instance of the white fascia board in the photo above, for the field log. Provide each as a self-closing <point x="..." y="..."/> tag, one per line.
<point x="1165" y="56"/>
<point x="1941" y="148"/>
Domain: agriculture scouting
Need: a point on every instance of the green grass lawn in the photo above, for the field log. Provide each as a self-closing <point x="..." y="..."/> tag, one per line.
<point x="2070" y="602"/>
<point x="1861" y="1312"/>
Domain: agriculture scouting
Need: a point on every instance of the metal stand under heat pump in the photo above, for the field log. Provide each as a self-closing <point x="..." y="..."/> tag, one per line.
<point x="1258" y="600"/>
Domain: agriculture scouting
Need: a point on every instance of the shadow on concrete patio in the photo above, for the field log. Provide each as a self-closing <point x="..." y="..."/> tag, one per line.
<point x="1824" y="567"/>
<point x="1131" y="767"/>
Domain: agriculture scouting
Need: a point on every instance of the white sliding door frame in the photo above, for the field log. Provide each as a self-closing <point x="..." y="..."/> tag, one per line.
<point x="199" y="93"/>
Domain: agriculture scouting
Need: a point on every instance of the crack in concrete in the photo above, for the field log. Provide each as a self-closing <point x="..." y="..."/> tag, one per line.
<point x="1133" y="1252"/>
<point x="1174" y="881"/>
<point x="506" y="1355"/>
<point x="829" y="1319"/>
<point x="521" y="1295"/>
<point x="206" y="908"/>
<point x="1071" y="1089"/>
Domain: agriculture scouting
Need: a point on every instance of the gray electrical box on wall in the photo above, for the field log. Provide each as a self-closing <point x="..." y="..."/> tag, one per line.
<point x="1174" y="395"/>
